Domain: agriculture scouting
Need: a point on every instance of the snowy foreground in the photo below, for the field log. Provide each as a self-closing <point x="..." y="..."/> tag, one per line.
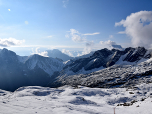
<point x="81" y="100"/>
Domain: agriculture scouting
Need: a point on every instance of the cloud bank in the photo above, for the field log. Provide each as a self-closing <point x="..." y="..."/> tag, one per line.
<point x="88" y="47"/>
<point x="67" y="52"/>
<point x="7" y="42"/>
<point x="109" y="42"/>
<point x="37" y="51"/>
<point x="139" y="27"/>
<point x="110" y="45"/>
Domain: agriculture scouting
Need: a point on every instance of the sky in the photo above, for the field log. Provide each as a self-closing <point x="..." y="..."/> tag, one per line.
<point x="33" y="26"/>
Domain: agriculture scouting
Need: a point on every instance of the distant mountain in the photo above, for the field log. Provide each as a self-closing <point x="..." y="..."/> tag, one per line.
<point x="55" y="53"/>
<point x="17" y="71"/>
<point x="76" y="53"/>
<point x="49" y="65"/>
<point x="117" y="47"/>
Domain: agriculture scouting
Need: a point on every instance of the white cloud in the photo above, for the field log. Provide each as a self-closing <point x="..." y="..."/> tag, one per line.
<point x="92" y="33"/>
<point x="49" y="36"/>
<point x="37" y="51"/>
<point x="9" y="9"/>
<point x="122" y="32"/>
<point x="65" y="3"/>
<point x="110" y="45"/>
<point x="110" y="36"/>
<point x="109" y="42"/>
<point x="138" y="26"/>
<point x="26" y="22"/>
<point x="67" y="52"/>
<point x="73" y="31"/>
<point x="76" y="36"/>
<point x="88" y="48"/>
<point x="6" y="42"/>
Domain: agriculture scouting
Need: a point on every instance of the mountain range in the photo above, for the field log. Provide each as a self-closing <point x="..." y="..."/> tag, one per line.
<point x="55" y="53"/>
<point x="102" y="68"/>
<point x="17" y="71"/>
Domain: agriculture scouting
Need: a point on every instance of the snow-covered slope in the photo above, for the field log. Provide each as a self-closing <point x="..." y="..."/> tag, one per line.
<point x="105" y="58"/>
<point x="17" y="71"/>
<point x="77" y="100"/>
<point x="125" y="84"/>
<point x="114" y="76"/>
<point x="48" y="64"/>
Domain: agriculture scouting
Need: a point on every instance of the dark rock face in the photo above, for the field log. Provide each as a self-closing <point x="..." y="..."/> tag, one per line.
<point x="135" y="54"/>
<point x="113" y="77"/>
<point x="107" y="58"/>
<point x="11" y="71"/>
<point x="117" y="54"/>
<point x="14" y="74"/>
<point x="97" y="60"/>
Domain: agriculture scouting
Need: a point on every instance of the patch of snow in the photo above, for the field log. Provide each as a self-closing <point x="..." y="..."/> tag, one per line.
<point x="67" y="62"/>
<point x="121" y="62"/>
<point x="91" y="62"/>
<point x="82" y="100"/>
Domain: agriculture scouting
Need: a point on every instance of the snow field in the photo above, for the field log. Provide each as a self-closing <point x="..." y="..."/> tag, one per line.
<point x="70" y="100"/>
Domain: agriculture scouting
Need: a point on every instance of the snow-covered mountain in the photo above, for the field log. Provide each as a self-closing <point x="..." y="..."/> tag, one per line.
<point x="49" y="65"/>
<point x="117" y="47"/>
<point x="105" y="58"/>
<point x="114" y="76"/>
<point x="119" y="80"/>
<point x="55" y="53"/>
<point x="17" y="71"/>
<point x="130" y="67"/>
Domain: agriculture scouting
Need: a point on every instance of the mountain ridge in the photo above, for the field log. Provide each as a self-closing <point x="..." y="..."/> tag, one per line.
<point x="17" y="71"/>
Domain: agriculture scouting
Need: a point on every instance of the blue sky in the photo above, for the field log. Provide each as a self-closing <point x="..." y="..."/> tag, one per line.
<point x="32" y="26"/>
